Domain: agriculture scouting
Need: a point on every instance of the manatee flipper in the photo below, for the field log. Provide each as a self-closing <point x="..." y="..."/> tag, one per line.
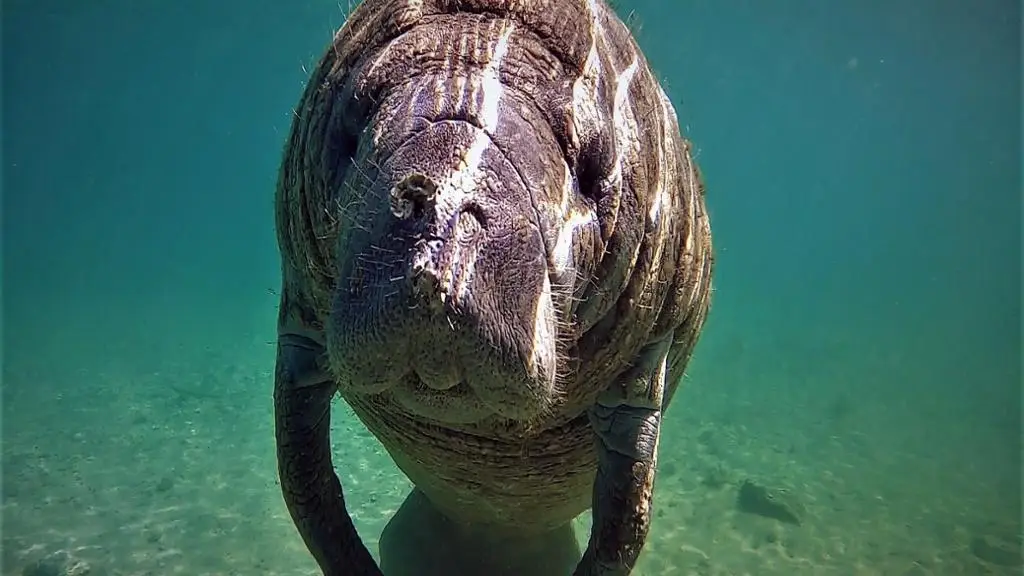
<point x="627" y="423"/>
<point x="312" y="491"/>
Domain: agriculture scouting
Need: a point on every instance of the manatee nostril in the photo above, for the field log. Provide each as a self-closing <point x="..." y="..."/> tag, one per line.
<point x="413" y="197"/>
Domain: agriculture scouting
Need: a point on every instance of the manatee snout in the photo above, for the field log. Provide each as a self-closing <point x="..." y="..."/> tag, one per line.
<point x="444" y="296"/>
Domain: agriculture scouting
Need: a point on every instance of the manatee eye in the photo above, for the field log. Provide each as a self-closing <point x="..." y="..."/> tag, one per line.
<point x="339" y="148"/>
<point x="588" y="182"/>
<point x="595" y="161"/>
<point x="473" y="209"/>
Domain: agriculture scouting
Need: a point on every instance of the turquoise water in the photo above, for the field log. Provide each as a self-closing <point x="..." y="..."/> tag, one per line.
<point x="863" y="165"/>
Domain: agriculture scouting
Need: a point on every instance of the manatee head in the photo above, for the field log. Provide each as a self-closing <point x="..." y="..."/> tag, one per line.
<point x="463" y="240"/>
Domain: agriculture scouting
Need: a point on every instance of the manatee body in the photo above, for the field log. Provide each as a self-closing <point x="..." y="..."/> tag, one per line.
<point x="495" y="248"/>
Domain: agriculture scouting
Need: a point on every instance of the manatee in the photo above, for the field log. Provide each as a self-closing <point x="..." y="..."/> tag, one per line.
<point x="495" y="249"/>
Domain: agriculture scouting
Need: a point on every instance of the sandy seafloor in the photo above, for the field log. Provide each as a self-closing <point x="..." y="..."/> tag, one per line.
<point x="123" y="459"/>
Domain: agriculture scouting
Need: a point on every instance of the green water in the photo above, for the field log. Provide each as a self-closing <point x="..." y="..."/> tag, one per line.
<point x="863" y="165"/>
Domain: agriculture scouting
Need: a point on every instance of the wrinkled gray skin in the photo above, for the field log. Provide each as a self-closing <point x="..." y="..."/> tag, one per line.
<point x="495" y="248"/>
